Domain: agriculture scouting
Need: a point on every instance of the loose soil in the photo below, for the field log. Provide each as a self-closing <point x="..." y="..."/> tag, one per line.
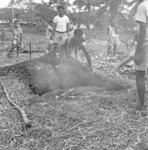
<point x="74" y="119"/>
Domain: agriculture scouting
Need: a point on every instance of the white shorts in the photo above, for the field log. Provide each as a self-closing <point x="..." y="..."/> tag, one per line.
<point x="60" y="38"/>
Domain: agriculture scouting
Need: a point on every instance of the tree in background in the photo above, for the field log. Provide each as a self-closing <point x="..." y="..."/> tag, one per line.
<point x="112" y="9"/>
<point x="43" y="13"/>
<point x="97" y="12"/>
<point x="38" y="13"/>
<point x="86" y="5"/>
<point x="28" y="5"/>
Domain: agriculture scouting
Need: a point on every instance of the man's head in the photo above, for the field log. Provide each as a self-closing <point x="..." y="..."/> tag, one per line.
<point x="78" y="36"/>
<point x="16" y="23"/>
<point x="61" y="10"/>
<point x="78" y="33"/>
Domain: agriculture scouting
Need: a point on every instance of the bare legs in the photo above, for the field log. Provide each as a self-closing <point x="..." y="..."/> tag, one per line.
<point x="140" y="83"/>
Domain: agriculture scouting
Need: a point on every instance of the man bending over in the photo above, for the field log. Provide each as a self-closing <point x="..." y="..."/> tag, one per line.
<point x="77" y="41"/>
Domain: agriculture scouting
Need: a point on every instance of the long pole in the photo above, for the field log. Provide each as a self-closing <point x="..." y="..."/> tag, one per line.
<point x="30" y="50"/>
<point x="12" y="9"/>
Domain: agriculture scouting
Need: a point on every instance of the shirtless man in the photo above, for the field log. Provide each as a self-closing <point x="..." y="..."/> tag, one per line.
<point x="77" y="41"/>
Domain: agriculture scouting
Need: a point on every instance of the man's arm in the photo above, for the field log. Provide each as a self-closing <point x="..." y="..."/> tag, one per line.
<point x="67" y="24"/>
<point x="141" y="35"/>
<point x="54" y="26"/>
<point x="54" y="29"/>
<point x="47" y="33"/>
<point x="13" y="32"/>
<point x="140" y="42"/>
<point x="68" y="27"/>
<point x="141" y="19"/>
<point x="108" y="30"/>
<point x="21" y="36"/>
<point x="124" y="62"/>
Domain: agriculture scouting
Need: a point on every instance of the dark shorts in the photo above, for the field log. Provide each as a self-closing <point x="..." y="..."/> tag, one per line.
<point x="144" y="65"/>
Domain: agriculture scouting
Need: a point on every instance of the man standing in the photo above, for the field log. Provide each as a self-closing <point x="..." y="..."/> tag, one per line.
<point x="17" y="38"/>
<point x="113" y="40"/>
<point x="61" y="29"/>
<point x="141" y="53"/>
<point x="75" y="42"/>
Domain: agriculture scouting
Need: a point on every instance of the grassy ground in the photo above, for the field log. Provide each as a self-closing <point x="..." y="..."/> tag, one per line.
<point x="75" y="119"/>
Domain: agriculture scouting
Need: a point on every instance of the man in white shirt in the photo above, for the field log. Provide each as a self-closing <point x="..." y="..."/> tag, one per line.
<point x="61" y="29"/>
<point x="141" y="53"/>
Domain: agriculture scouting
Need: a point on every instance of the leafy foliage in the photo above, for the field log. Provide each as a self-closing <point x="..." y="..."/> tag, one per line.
<point x="112" y="10"/>
<point x="116" y="8"/>
<point x="43" y="12"/>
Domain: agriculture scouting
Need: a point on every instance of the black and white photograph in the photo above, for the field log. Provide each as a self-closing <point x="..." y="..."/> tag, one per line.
<point x="73" y="74"/>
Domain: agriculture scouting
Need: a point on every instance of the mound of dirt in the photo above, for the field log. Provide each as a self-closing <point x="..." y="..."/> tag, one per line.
<point x="50" y="73"/>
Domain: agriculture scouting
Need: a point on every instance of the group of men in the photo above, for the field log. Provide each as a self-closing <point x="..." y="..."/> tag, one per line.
<point x="62" y="36"/>
<point x="68" y="41"/>
<point x="66" y="36"/>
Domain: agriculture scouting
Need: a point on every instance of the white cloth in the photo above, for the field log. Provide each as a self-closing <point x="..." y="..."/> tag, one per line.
<point x="142" y="16"/>
<point x="60" y="38"/>
<point x="61" y="23"/>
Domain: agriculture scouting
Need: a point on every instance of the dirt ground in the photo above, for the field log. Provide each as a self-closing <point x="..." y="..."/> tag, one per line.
<point x="75" y="119"/>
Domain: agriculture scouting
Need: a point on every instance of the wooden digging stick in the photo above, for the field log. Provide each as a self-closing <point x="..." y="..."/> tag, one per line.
<point x="19" y="109"/>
